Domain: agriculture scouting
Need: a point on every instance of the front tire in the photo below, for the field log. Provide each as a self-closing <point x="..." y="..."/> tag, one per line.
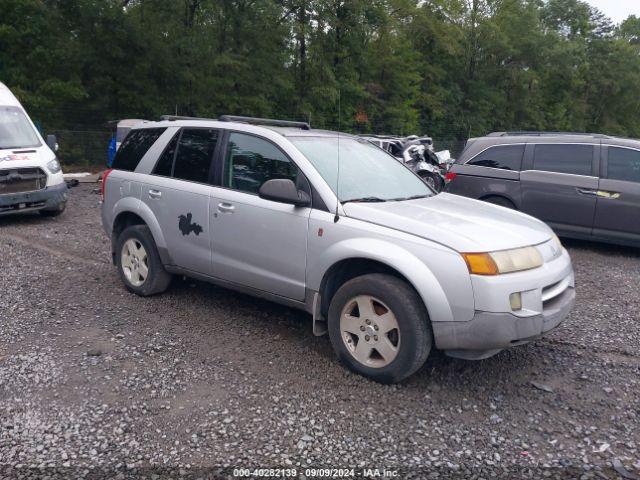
<point x="138" y="262"/>
<point x="379" y="327"/>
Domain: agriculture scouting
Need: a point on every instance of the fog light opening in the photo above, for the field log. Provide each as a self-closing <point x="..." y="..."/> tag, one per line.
<point x="515" y="299"/>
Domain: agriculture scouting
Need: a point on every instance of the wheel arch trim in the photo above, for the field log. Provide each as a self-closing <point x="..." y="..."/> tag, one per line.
<point x="500" y="195"/>
<point x="140" y="209"/>
<point x="396" y="258"/>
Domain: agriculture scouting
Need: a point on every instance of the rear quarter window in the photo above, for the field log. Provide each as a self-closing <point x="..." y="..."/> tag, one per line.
<point x="504" y="157"/>
<point x="134" y="146"/>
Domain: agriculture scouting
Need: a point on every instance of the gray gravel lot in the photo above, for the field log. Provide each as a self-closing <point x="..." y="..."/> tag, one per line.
<point x="97" y="382"/>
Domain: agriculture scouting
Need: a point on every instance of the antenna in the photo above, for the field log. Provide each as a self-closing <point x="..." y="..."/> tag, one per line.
<point x="337" y="217"/>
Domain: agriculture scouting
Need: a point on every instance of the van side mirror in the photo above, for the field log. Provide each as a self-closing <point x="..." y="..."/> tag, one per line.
<point x="52" y="143"/>
<point x="284" y="190"/>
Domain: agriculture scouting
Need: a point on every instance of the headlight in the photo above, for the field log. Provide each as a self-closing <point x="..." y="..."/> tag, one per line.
<point x="503" y="261"/>
<point x="556" y="240"/>
<point x="54" y="166"/>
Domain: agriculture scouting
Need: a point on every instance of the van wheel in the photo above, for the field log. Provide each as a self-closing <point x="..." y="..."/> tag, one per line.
<point x="138" y="262"/>
<point x="54" y="213"/>
<point x="433" y="180"/>
<point x="501" y="201"/>
<point x="379" y="327"/>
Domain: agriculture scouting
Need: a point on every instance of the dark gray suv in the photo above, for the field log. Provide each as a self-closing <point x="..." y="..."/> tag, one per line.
<point x="584" y="186"/>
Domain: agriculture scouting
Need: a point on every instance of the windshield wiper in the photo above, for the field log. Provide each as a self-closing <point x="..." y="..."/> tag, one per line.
<point x="365" y="200"/>
<point x="413" y="197"/>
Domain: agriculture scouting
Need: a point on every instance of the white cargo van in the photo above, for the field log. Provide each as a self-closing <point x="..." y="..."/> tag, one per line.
<point x="30" y="175"/>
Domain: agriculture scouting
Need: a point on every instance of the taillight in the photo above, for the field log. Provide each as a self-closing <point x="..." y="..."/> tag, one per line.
<point x="104" y="182"/>
<point x="450" y="176"/>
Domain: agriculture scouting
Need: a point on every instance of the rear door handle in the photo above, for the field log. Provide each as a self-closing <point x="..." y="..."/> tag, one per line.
<point x="610" y="195"/>
<point x="586" y="191"/>
<point x="155" y="193"/>
<point x="226" y="208"/>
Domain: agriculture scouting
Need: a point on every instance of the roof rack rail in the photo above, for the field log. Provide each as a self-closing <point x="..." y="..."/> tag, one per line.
<point x="543" y="134"/>
<point x="171" y="118"/>
<point x="240" y="119"/>
<point x="375" y="136"/>
<point x="265" y="121"/>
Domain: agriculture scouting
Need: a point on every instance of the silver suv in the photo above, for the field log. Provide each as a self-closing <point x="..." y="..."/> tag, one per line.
<point x="333" y="225"/>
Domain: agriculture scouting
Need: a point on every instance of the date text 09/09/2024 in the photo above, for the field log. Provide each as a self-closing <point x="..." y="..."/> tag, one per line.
<point x="315" y="473"/>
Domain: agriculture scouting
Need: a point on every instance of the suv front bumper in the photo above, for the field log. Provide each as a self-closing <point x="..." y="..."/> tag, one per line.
<point x="548" y="295"/>
<point x="488" y="333"/>
<point x="48" y="198"/>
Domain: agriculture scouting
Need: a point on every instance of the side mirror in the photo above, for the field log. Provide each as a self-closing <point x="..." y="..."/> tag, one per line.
<point x="283" y="190"/>
<point x="52" y="143"/>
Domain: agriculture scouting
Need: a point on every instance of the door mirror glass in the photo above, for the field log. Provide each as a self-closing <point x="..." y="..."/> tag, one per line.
<point x="52" y="143"/>
<point x="284" y="190"/>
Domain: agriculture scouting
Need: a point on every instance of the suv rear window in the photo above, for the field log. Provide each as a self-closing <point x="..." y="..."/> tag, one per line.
<point x="505" y="157"/>
<point x="164" y="166"/>
<point x="195" y="153"/>
<point x="623" y="164"/>
<point x="134" y="146"/>
<point x="188" y="155"/>
<point x="573" y="159"/>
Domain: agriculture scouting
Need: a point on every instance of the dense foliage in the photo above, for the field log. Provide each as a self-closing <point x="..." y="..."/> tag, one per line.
<point x="448" y="68"/>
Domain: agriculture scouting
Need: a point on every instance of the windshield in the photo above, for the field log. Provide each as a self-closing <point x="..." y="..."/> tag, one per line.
<point x="16" y="130"/>
<point x="367" y="173"/>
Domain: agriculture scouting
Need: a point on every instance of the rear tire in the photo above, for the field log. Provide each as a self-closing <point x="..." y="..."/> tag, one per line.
<point x="379" y="327"/>
<point x="501" y="201"/>
<point x="138" y="262"/>
<point x="433" y="180"/>
<point x="54" y="213"/>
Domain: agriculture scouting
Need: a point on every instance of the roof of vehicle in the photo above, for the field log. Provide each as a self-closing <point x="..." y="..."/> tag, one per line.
<point x="125" y="122"/>
<point x="6" y="97"/>
<point x="529" y="134"/>
<point x="281" y="127"/>
<point x="478" y="144"/>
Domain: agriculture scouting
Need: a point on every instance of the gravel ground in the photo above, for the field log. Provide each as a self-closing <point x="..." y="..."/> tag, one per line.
<point x="96" y="382"/>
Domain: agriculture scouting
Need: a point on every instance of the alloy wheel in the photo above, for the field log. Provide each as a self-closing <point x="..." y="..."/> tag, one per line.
<point x="370" y="331"/>
<point x="135" y="262"/>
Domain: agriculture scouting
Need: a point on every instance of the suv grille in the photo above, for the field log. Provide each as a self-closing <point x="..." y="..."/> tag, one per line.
<point x="18" y="180"/>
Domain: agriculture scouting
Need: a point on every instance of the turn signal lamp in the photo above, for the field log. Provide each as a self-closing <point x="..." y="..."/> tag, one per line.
<point x="503" y="261"/>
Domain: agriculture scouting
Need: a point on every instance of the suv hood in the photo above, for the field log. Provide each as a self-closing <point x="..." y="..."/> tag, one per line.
<point x="460" y="223"/>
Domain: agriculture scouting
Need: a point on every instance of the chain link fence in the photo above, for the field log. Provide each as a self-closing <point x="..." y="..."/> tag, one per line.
<point x="87" y="148"/>
<point x="83" y="148"/>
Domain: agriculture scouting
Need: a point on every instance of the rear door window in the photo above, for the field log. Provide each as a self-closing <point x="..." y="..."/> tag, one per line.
<point x="195" y="154"/>
<point x="505" y="157"/>
<point x="134" y="146"/>
<point x="164" y="166"/>
<point x="623" y="164"/>
<point x="572" y="159"/>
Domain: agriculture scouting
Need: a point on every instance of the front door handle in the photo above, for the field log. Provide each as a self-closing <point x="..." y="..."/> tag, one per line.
<point x="226" y="208"/>
<point x="155" y="193"/>
<point x="586" y="191"/>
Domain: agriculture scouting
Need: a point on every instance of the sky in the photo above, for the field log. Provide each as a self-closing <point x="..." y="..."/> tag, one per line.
<point x="617" y="10"/>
